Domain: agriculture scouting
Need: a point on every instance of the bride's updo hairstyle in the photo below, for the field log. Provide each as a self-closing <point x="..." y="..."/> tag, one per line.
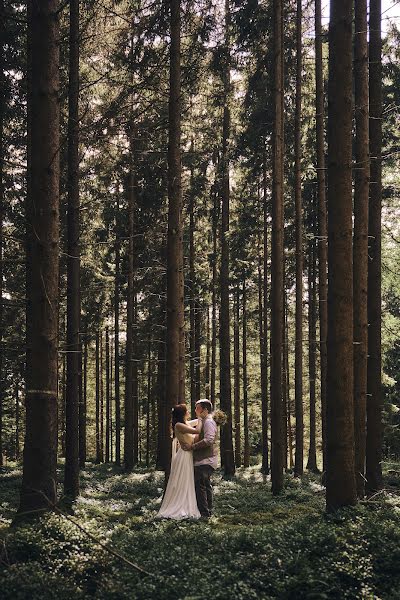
<point x="179" y="412"/>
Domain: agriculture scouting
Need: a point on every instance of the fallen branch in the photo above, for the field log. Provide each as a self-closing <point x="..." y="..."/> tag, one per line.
<point x="90" y="535"/>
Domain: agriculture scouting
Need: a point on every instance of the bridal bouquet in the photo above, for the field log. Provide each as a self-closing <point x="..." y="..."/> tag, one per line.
<point x="220" y="417"/>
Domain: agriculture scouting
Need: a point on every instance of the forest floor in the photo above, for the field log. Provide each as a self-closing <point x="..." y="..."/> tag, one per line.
<point x="255" y="547"/>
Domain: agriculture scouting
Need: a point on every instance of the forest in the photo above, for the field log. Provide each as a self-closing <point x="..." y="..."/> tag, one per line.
<point x="199" y="199"/>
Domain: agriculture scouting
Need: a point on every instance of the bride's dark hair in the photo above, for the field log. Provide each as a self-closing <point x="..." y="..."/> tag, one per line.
<point x="179" y="412"/>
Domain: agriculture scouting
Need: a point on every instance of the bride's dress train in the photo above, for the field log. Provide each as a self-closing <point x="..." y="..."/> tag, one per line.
<point x="179" y="500"/>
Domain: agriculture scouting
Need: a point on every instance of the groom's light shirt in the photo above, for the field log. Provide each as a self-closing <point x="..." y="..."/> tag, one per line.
<point x="209" y="439"/>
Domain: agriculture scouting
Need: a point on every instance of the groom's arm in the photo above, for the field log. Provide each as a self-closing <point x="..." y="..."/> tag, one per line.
<point x="210" y="431"/>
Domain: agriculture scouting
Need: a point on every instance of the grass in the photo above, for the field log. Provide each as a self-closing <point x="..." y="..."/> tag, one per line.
<point x="256" y="546"/>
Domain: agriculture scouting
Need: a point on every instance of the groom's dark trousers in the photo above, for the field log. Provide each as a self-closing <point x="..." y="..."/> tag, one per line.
<point x="202" y="475"/>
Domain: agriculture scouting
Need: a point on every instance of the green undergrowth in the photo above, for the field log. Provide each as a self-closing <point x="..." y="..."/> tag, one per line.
<point x="256" y="546"/>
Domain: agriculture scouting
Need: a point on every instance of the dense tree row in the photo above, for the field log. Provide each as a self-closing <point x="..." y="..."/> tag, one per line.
<point x="181" y="178"/>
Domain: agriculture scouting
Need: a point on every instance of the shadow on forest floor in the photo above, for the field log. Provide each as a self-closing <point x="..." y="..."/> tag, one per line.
<point x="256" y="545"/>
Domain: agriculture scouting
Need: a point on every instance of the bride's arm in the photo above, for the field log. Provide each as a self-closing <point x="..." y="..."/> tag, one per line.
<point x="199" y="427"/>
<point x="186" y="428"/>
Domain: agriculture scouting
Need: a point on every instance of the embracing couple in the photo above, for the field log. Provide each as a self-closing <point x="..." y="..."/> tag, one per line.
<point x="194" y="459"/>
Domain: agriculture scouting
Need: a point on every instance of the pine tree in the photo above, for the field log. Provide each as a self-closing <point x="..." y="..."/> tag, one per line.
<point x="42" y="216"/>
<point x="340" y="478"/>
<point x="277" y="259"/>
<point x="322" y="220"/>
<point x="71" y="479"/>
<point x="360" y="243"/>
<point x="374" y="405"/>
<point x="225" y="359"/>
<point x="175" y="309"/>
<point x="298" y="465"/>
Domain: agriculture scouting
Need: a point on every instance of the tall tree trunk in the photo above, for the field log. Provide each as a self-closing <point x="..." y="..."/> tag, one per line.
<point x="246" y="456"/>
<point x="207" y="366"/>
<point x="225" y="345"/>
<point x="111" y="402"/>
<point x="129" y="441"/>
<point x="340" y="479"/>
<point x="97" y="395"/>
<point x="285" y="376"/>
<point x="360" y="244"/>
<point x="148" y="401"/>
<point x="153" y="412"/>
<point x="312" y="334"/>
<point x="107" y="396"/>
<point x="175" y="304"/>
<point x="264" y="328"/>
<point x="374" y="406"/>
<point x="17" y="422"/>
<point x="135" y="380"/>
<point x="197" y="349"/>
<point x="215" y="219"/>
<point x="277" y="259"/>
<point x="40" y="452"/>
<point x="286" y="383"/>
<point x="289" y="417"/>
<point x="71" y="478"/>
<point x="63" y="402"/>
<point x="298" y="464"/>
<point x="162" y="408"/>
<point x="236" y="372"/>
<point x="116" y="343"/>
<point x="192" y="300"/>
<point x="101" y="399"/>
<point x="2" y="201"/>
<point x="322" y="221"/>
<point x="83" y="405"/>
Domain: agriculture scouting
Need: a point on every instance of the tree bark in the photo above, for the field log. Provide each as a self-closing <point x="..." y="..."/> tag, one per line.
<point x="360" y="244"/>
<point x="129" y="441"/>
<point x="197" y="349"/>
<point x="215" y="219"/>
<point x="236" y="371"/>
<point x="340" y="479"/>
<point x="148" y="401"/>
<point x="116" y="343"/>
<point x="374" y="405"/>
<point x="97" y="395"/>
<point x="135" y="379"/>
<point x="162" y="408"/>
<point x="175" y="300"/>
<point x="322" y="220"/>
<point x="277" y="258"/>
<point x="192" y="300"/>
<point x="246" y="456"/>
<point x="71" y="477"/>
<point x="299" y="458"/>
<point x="101" y="365"/>
<point x="264" y="329"/>
<point x="108" y="429"/>
<point x="38" y="490"/>
<point x="312" y="334"/>
<point x="286" y="384"/>
<point x="83" y="405"/>
<point x="207" y="367"/>
<point x="62" y="407"/>
<point x="225" y="345"/>
<point x="17" y="422"/>
<point x="111" y="402"/>
<point x="2" y="201"/>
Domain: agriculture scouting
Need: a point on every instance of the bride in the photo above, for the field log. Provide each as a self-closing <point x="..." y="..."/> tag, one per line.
<point x="179" y="500"/>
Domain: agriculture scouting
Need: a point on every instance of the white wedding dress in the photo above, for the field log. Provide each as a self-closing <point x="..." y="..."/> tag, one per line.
<point x="179" y="500"/>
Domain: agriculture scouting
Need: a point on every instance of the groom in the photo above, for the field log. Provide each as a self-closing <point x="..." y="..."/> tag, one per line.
<point x="204" y="457"/>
